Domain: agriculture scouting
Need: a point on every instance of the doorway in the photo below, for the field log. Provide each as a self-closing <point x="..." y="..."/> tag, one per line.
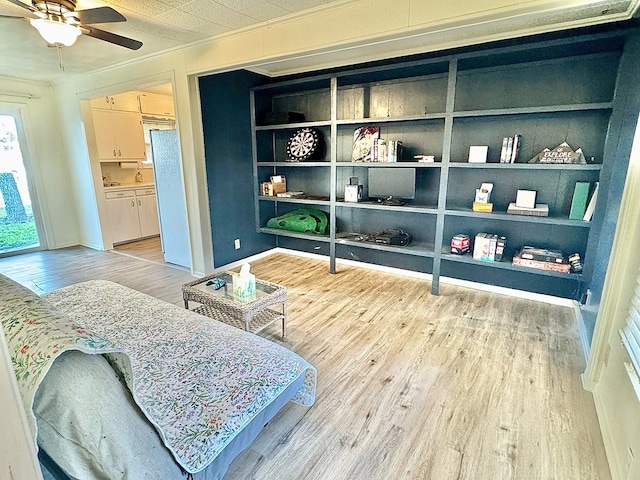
<point x="19" y="231"/>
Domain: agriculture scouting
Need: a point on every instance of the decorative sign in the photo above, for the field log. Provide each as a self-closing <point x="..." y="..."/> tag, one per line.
<point x="563" y="153"/>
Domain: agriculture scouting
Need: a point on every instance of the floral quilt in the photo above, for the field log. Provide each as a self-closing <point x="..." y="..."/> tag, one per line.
<point x="198" y="381"/>
<point x="37" y="334"/>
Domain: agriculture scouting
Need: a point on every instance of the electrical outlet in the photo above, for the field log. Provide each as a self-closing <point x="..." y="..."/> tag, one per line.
<point x="236" y="243"/>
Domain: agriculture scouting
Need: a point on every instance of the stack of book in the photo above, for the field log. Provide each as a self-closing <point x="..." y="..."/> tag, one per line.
<point x="542" y="259"/>
<point x="510" y="148"/>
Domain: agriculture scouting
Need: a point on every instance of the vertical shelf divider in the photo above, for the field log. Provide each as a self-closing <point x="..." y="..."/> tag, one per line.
<point x="444" y="175"/>
<point x="334" y="175"/>
<point x="254" y="155"/>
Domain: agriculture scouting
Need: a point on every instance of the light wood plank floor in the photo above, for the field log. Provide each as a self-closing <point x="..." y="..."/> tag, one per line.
<point x="464" y="385"/>
<point x="148" y="249"/>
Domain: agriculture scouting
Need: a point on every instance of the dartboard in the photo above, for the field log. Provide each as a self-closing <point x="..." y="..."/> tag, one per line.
<point x="302" y="144"/>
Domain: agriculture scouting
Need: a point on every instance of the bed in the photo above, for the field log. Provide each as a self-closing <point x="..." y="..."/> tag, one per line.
<point x="122" y="385"/>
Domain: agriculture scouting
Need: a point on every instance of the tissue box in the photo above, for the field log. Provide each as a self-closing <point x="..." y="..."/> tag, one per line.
<point x="244" y="285"/>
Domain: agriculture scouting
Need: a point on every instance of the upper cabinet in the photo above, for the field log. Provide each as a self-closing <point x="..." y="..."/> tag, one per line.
<point x="124" y="102"/>
<point x="119" y="135"/>
<point x="156" y="105"/>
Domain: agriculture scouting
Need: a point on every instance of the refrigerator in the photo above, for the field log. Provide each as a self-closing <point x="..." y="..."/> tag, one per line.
<point x="172" y="208"/>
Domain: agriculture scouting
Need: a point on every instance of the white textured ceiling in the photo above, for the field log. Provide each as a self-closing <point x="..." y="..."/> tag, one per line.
<point x="167" y="24"/>
<point x="159" y="24"/>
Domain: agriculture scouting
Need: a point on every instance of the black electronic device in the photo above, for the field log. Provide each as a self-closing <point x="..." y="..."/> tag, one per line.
<point x="391" y="237"/>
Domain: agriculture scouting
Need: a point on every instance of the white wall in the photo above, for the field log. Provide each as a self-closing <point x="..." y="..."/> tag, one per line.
<point x="45" y="157"/>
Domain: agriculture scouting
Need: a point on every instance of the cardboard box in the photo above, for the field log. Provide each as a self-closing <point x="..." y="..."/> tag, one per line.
<point x="271" y="189"/>
<point x="279" y="183"/>
<point x="484" y="247"/>
<point x="482" y="207"/>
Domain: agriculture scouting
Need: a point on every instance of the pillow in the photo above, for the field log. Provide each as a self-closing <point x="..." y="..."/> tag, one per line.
<point x="90" y="426"/>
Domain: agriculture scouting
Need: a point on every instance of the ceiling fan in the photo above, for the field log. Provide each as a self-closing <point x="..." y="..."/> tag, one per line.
<point x="60" y="24"/>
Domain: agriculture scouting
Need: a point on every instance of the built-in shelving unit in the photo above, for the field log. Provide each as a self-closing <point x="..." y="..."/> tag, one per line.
<point x="549" y="93"/>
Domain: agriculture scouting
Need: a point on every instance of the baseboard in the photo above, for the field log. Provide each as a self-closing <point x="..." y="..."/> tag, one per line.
<point x="239" y="263"/>
<point x="607" y="438"/>
<point x="537" y="297"/>
<point x="582" y="330"/>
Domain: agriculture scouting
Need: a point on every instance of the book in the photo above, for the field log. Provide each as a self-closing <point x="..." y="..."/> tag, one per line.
<point x="503" y="152"/>
<point x="515" y="149"/>
<point x="540" y="265"/>
<point x="588" y="214"/>
<point x="363" y="141"/>
<point x="579" y="200"/>
<point x="507" y="157"/>
<point x="542" y="254"/>
<point x="540" y="210"/>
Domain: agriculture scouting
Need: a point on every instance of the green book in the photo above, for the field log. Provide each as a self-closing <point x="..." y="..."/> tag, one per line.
<point x="579" y="201"/>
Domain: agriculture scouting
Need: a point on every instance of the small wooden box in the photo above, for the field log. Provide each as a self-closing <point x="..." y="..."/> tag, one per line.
<point x="482" y="207"/>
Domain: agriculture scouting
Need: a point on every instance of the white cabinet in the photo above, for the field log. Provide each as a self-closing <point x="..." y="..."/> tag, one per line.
<point x="132" y="214"/>
<point x="148" y="212"/>
<point x="123" y="216"/>
<point x="125" y="102"/>
<point x="119" y="135"/>
<point x="157" y="105"/>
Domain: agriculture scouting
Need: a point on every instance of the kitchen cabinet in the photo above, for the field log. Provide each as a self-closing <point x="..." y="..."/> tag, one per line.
<point x="133" y="214"/>
<point x="125" y="102"/>
<point x="156" y="105"/>
<point x="122" y="209"/>
<point x="119" y="135"/>
<point x="148" y="212"/>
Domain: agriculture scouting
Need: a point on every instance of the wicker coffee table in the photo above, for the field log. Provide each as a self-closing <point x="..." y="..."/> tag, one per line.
<point x="249" y="313"/>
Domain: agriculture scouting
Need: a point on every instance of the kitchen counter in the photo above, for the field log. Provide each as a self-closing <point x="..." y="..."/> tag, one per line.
<point x="130" y="186"/>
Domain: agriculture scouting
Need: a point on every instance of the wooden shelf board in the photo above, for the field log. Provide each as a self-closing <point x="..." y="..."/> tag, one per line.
<point x="285" y="126"/>
<point x="294" y="164"/>
<point x="467" y="212"/>
<point x="414" y="118"/>
<point x="420" y="249"/>
<point x="507" y="265"/>
<point x="529" y="166"/>
<point x="578" y="107"/>
<point x="306" y="201"/>
<point x="398" y="208"/>
<point x="287" y="233"/>
<point x="390" y="164"/>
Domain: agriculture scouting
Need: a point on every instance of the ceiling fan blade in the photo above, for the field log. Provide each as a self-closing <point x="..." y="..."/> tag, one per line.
<point x="98" y="15"/>
<point x="23" y="5"/>
<point x="111" y="37"/>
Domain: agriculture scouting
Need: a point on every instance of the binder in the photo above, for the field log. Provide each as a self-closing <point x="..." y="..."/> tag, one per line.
<point x="579" y="200"/>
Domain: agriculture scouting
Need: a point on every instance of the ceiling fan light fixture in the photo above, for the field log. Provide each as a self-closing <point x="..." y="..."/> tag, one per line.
<point x="56" y="32"/>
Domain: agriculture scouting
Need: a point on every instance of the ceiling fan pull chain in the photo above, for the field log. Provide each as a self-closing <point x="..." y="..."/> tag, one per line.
<point x="60" y="62"/>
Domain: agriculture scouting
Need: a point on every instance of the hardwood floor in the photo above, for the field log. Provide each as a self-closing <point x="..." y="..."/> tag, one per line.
<point x="148" y="249"/>
<point x="464" y="385"/>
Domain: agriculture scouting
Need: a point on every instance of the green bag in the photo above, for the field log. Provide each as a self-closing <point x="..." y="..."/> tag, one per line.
<point x="304" y="220"/>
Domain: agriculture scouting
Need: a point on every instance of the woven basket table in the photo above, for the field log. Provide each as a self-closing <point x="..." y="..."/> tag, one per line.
<point x="248" y="313"/>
